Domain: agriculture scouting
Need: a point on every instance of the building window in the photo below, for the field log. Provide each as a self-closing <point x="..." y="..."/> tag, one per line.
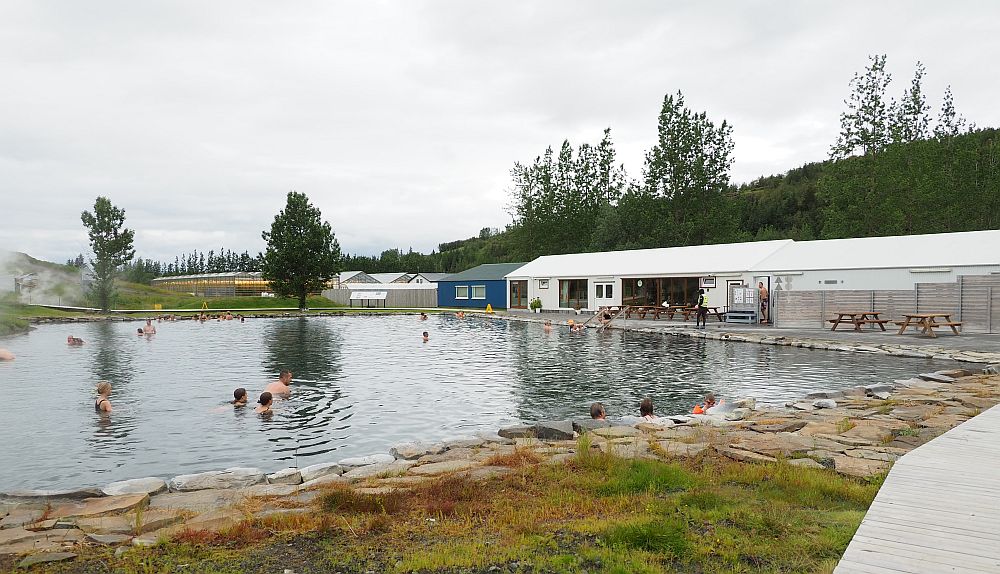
<point x="573" y="293"/>
<point x="479" y="291"/>
<point x="461" y="291"/>
<point x="543" y="283"/>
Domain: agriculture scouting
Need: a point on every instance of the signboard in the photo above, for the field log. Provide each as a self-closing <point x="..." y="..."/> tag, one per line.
<point x="706" y="282"/>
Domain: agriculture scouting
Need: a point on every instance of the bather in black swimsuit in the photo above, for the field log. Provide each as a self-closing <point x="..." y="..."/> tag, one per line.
<point x="97" y="405"/>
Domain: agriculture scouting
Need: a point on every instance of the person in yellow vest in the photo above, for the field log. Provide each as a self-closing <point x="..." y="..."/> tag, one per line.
<point x="701" y="320"/>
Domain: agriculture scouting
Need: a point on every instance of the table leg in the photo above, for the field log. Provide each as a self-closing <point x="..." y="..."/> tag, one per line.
<point x="835" y="323"/>
<point x="906" y="323"/>
<point x="929" y="328"/>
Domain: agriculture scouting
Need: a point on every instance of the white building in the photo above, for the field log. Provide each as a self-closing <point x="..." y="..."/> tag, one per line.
<point x="674" y="274"/>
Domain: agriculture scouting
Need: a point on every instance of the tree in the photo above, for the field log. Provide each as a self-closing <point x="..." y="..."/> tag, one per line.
<point x="111" y="243"/>
<point x="865" y="126"/>
<point x="910" y="121"/>
<point x="950" y="124"/>
<point x="302" y="252"/>
<point x="687" y="171"/>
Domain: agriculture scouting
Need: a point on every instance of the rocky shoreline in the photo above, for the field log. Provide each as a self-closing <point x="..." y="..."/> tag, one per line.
<point x="857" y="432"/>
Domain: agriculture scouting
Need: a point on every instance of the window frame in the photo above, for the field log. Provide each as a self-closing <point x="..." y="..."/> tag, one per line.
<point x="458" y="289"/>
<point x="472" y="292"/>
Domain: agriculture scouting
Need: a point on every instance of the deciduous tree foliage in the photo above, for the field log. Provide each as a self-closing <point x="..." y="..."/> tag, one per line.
<point x="111" y="243"/>
<point x="302" y="252"/>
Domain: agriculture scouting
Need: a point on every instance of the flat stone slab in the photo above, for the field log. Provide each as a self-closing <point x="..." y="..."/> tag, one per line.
<point x="197" y="501"/>
<point x="152" y="519"/>
<point x="20" y="516"/>
<point x="846" y="440"/>
<point x="415" y="450"/>
<point x="583" y="425"/>
<point x="215" y="520"/>
<point x="517" y="431"/>
<point x="683" y="449"/>
<point x="106" y="505"/>
<point x="442" y="467"/>
<point x="936" y="378"/>
<point x="859" y="467"/>
<point x="272" y="489"/>
<point x="109" y="539"/>
<point x="314" y="471"/>
<point x="149" y="485"/>
<point x="465" y="442"/>
<point x="382" y="469"/>
<point x="616" y="432"/>
<point x="21" y="541"/>
<point x="236" y="477"/>
<point x="790" y="426"/>
<point x="45" y="557"/>
<point x="327" y="480"/>
<point x="285" y="476"/>
<point x="772" y="444"/>
<point x="48" y="495"/>
<point x="743" y="455"/>
<point x="365" y="460"/>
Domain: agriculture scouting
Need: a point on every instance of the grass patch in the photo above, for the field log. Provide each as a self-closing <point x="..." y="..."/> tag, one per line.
<point x="345" y="500"/>
<point x="597" y="513"/>
<point x="520" y="457"/>
<point x="664" y="537"/>
<point x="845" y="425"/>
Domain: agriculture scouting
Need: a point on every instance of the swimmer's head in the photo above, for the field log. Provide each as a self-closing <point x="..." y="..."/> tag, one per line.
<point x="240" y="395"/>
<point x="265" y="399"/>
<point x="597" y="411"/>
<point x="646" y="406"/>
<point x="104" y="388"/>
<point x="285" y="377"/>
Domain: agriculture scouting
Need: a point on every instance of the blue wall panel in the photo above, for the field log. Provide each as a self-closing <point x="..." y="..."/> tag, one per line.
<point x="496" y="294"/>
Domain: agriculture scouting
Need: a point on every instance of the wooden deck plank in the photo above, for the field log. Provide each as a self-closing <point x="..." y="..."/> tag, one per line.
<point x="938" y="510"/>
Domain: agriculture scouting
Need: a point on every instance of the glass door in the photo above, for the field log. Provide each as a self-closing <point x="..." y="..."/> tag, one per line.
<point x="518" y="294"/>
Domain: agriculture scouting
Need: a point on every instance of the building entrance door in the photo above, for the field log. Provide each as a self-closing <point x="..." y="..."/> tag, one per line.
<point x="518" y="294"/>
<point x="765" y="304"/>
<point x="604" y="294"/>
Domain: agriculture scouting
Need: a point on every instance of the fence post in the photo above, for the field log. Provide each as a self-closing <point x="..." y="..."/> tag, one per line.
<point x="961" y="293"/>
<point x="822" y="307"/>
<point x="989" y="309"/>
<point x="873" y="301"/>
<point x="916" y="297"/>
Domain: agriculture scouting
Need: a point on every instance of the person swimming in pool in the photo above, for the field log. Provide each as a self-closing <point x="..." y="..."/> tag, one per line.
<point x="150" y="328"/>
<point x="282" y="386"/>
<point x="103" y="404"/>
<point x="264" y="404"/>
<point x="646" y="409"/>
<point x="427" y="336"/>
<point x="240" y="397"/>
<point x="547" y="327"/>
<point x="74" y="341"/>
<point x="6" y="355"/>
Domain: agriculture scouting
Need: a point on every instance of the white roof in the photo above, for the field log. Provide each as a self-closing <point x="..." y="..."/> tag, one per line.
<point x="899" y="251"/>
<point x="694" y="260"/>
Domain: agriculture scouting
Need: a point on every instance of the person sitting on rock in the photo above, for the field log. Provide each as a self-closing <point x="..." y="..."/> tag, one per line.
<point x="646" y="409"/>
<point x="264" y="404"/>
<point x="597" y="412"/>
<point x="239" y="397"/>
<point x="102" y="404"/>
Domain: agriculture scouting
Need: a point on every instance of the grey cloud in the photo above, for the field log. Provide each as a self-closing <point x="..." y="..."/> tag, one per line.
<point x="400" y="120"/>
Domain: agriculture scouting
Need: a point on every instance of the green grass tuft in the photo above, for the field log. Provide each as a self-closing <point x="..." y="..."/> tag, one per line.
<point x="667" y="537"/>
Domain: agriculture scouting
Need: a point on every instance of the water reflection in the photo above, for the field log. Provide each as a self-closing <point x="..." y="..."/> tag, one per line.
<point x="304" y="423"/>
<point x="111" y="361"/>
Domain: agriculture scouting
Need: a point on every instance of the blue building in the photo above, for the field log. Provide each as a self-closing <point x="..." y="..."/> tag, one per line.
<point x="476" y="287"/>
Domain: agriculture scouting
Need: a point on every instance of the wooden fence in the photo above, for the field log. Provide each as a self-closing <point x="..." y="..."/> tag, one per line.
<point x="408" y="298"/>
<point x="973" y="300"/>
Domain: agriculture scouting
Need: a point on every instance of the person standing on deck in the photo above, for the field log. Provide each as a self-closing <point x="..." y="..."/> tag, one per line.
<point x="701" y="319"/>
<point x="763" y="294"/>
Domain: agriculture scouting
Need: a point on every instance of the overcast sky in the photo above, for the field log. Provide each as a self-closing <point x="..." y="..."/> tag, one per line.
<point x="401" y="120"/>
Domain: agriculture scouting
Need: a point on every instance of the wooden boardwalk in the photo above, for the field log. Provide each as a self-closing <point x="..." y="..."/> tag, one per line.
<point x="939" y="509"/>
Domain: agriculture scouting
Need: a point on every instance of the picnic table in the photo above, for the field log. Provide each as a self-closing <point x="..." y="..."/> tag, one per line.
<point x="643" y="310"/>
<point x="858" y="319"/>
<point x="693" y="311"/>
<point x="928" y="322"/>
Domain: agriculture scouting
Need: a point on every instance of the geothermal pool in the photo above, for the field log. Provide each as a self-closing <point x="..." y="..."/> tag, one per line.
<point x="360" y="385"/>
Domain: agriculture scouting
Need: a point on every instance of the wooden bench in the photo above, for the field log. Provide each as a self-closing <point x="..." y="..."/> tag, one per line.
<point x="858" y="319"/>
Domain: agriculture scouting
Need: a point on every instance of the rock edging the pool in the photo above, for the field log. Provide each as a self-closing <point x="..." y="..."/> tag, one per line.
<point x="857" y="432"/>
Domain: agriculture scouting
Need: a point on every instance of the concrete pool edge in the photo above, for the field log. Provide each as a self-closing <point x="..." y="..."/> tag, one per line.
<point x="861" y="434"/>
<point x="776" y="338"/>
